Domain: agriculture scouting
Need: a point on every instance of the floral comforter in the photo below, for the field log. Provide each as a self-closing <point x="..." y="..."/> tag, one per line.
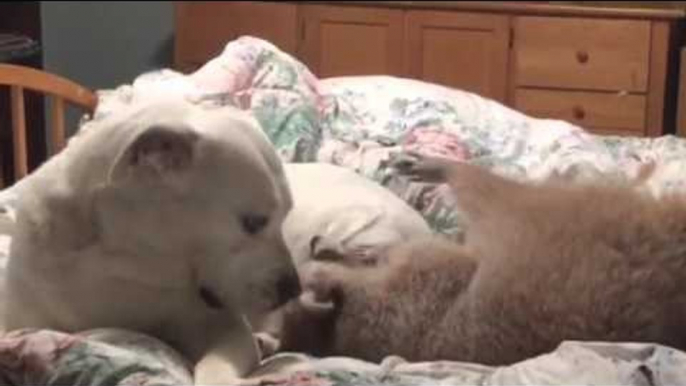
<point x="361" y="123"/>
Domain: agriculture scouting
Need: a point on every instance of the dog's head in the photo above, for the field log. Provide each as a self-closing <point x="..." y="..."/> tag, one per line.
<point x="200" y="194"/>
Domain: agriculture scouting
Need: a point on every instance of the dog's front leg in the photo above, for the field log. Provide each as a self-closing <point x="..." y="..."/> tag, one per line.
<point x="231" y="355"/>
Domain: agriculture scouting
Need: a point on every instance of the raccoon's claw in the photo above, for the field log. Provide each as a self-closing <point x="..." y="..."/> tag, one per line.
<point x="315" y="303"/>
<point x="405" y="163"/>
<point x="364" y="256"/>
<point x="321" y="283"/>
<point x="352" y="257"/>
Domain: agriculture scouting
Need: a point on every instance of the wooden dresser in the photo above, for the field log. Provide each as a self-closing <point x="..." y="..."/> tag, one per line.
<point x="611" y="70"/>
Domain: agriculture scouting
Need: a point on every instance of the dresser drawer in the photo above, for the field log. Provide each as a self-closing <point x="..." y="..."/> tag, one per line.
<point x="604" y="111"/>
<point x="582" y="54"/>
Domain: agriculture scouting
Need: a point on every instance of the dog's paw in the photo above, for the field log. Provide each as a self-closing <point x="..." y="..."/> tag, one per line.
<point x="216" y="378"/>
<point x="228" y="365"/>
<point x="261" y="381"/>
<point x="267" y="344"/>
<point x="421" y="168"/>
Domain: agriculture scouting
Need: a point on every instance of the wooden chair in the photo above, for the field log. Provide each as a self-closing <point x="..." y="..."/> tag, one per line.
<point x="61" y="90"/>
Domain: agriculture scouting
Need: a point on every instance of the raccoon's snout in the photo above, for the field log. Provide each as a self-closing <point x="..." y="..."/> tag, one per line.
<point x="210" y="298"/>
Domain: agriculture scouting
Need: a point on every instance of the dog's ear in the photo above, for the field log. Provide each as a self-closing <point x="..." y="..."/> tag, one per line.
<point x="155" y="152"/>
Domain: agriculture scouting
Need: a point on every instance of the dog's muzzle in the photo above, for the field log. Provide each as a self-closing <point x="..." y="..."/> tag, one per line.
<point x="288" y="288"/>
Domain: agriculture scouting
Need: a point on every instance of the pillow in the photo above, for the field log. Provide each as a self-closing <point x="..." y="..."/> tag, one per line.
<point x="342" y="211"/>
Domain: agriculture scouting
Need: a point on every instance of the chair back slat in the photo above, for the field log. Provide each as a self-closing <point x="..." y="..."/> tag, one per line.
<point x="60" y="90"/>
<point x="18" y="130"/>
<point x="59" y="134"/>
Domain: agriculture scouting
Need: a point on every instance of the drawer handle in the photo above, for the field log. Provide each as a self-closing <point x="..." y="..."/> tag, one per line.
<point x="578" y="112"/>
<point x="582" y="57"/>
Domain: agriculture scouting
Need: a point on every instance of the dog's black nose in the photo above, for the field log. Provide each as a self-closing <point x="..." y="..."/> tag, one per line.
<point x="210" y="298"/>
<point x="288" y="288"/>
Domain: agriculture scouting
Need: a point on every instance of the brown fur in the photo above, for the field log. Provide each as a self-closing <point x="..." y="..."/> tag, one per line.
<point x="541" y="264"/>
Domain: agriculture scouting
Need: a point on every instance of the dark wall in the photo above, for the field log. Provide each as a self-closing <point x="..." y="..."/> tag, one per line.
<point x="21" y="18"/>
<point x="104" y="44"/>
<point x="97" y="44"/>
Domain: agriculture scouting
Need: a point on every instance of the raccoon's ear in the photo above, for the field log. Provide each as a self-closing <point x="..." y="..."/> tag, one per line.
<point x="155" y="152"/>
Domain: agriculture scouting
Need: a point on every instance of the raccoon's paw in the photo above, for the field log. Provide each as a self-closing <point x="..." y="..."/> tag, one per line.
<point x="350" y="256"/>
<point x="323" y="283"/>
<point x="422" y="168"/>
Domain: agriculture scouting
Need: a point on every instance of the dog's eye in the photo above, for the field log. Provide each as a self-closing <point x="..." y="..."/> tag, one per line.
<point x="253" y="224"/>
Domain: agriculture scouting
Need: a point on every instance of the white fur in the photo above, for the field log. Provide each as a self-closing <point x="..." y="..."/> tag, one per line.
<point x="348" y="212"/>
<point x="108" y="237"/>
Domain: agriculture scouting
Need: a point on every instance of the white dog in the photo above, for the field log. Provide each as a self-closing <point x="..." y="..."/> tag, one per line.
<point x="164" y="219"/>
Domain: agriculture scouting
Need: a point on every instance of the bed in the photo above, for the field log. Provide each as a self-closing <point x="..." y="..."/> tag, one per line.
<point x="361" y="123"/>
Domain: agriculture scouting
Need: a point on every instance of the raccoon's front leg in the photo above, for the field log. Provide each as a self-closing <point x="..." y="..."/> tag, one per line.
<point x="458" y="174"/>
<point x="478" y="191"/>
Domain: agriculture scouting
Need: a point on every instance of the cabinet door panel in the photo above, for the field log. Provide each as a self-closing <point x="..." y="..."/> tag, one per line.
<point x="341" y="41"/>
<point x="461" y="50"/>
